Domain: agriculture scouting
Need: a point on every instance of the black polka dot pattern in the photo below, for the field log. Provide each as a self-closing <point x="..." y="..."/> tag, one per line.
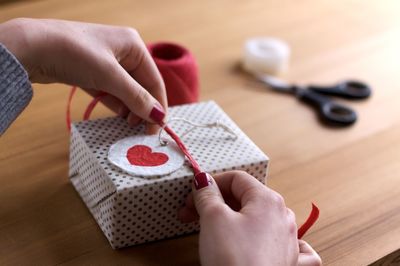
<point x="131" y="209"/>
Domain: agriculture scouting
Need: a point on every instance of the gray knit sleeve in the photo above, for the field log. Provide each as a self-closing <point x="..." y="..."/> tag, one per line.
<point x="15" y="88"/>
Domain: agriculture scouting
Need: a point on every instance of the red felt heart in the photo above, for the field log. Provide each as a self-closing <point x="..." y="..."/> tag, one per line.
<point x="141" y="155"/>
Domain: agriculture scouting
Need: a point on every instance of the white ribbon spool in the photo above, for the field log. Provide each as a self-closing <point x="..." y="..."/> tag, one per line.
<point x="266" y="55"/>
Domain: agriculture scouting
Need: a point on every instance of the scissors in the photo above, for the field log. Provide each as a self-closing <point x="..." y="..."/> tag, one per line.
<point x="329" y="110"/>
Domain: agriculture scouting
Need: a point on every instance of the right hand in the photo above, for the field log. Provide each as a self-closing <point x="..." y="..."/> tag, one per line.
<point x="244" y="223"/>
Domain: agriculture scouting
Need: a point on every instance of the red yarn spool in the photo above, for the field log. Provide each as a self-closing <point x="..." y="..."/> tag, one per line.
<point x="179" y="70"/>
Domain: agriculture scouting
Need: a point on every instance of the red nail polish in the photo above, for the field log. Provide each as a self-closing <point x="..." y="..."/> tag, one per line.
<point x="157" y="113"/>
<point x="202" y="180"/>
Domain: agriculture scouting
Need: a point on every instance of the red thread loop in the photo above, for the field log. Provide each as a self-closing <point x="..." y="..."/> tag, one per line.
<point x="312" y="218"/>
<point x="89" y="108"/>
<point x="182" y="147"/>
<point x="68" y="116"/>
<point x="92" y="105"/>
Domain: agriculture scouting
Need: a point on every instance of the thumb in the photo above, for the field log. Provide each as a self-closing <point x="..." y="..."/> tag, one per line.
<point x="206" y="194"/>
<point x="307" y="255"/>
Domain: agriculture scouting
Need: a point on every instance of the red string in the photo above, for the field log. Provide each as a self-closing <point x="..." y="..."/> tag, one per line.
<point x="89" y="108"/>
<point x="182" y="147"/>
<point x="68" y="116"/>
<point x="312" y="218"/>
<point x="92" y="105"/>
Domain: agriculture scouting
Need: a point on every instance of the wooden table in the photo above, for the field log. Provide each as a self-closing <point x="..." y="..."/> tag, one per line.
<point x="352" y="174"/>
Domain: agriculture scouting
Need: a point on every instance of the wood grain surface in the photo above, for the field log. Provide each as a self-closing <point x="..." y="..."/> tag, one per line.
<point x="352" y="174"/>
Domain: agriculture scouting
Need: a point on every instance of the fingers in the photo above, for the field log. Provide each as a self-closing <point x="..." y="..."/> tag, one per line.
<point x="112" y="102"/>
<point x="236" y="188"/>
<point x="241" y="188"/>
<point x="119" y="63"/>
<point x="140" y="65"/>
<point x="138" y="100"/>
<point x="123" y="111"/>
<point x="292" y="218"/>
<point x="308" y="256"/>
<point x="117" y="106"/>
<point x="188" y="213"/>
<point x="206" y="195"/>
<point x="133" y="119"/>
<point x="152" y="129"/>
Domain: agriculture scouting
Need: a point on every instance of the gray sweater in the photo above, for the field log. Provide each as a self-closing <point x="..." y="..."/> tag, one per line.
<point x="15" y="88"/>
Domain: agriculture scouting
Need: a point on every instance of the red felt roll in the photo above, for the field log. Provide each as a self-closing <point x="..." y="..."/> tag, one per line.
<point x="178" y="68"/>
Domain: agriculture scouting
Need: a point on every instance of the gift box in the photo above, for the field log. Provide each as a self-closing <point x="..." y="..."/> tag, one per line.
<point x="137" y="208"/>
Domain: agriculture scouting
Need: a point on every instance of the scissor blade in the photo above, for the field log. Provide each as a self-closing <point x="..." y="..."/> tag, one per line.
<point x="274" y="83"/>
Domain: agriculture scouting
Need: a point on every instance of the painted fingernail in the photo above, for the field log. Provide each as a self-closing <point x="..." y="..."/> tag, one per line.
<point x="157" y="113"/>
<point x="202" y="180"/>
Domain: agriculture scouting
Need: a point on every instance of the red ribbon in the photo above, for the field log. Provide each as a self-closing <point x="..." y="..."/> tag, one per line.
<point x="92" y="105"/>
<point x="68" y="116"/>
<point x="312" y="218"/>
<point x="182" y="147"/>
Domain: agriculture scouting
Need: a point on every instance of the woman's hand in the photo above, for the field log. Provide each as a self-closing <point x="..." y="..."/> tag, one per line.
<point x="244" y="223"/>
<point x="95" y="57"/>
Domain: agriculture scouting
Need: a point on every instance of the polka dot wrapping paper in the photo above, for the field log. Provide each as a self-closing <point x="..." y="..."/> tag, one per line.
<point x="132" y="209"/>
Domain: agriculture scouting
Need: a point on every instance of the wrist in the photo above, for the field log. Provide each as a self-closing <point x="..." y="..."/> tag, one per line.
<point x="14" y="36"/>
<point x="23" y="37"/>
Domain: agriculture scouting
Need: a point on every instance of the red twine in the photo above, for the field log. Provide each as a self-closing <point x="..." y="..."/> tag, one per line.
<point x="89" y="108"/>
<point x="312" y="218"/>
<point x="68" y="116"/>
<point x="92" y="105"/>
<point x="182" y="147"/>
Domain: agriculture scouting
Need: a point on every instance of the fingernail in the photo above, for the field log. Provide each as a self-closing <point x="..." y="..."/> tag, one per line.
<point x="202" y="180"/>
<point x="157" y="113"/>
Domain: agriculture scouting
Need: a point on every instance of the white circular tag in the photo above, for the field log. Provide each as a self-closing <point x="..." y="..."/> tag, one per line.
<point x="145" y="156"/>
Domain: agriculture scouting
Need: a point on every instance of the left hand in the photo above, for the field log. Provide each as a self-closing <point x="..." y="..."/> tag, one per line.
<point x="95" y="57"/>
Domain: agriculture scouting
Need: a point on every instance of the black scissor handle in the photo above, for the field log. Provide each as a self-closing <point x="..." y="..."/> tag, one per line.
<point x="330" y="111"/>
<point x="350" y="89"/>
<point x="338" y="113"/>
